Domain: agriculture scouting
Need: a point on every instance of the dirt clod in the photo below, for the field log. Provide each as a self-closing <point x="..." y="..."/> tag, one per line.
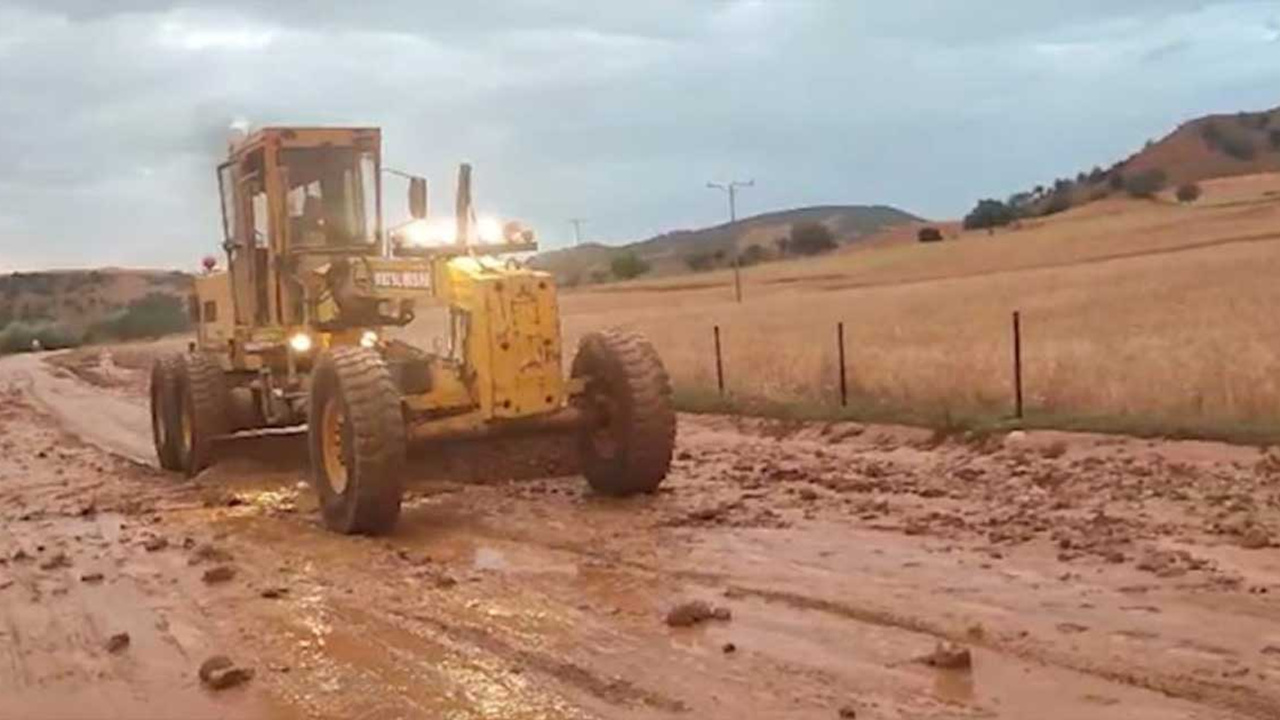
<point x="1255" y="538"/>
<point x="55" y="561"/>
<point x="117" y="643"/>
<point x="274" y="593"/>
<point x="728" y="648"/>
<point x="155" y="543"/>
<point x="219" y="574"/>
<point x="848" y="712"/>
<point x="208" y="552"/>
<point x="91" y="577"/>
<point x="691" y="613"/>
<point x="947" y="656"/>
<point x="220" y="673"/>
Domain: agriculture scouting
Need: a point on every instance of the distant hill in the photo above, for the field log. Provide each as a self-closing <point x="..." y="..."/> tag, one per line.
<point x="1209" y="147"/>
<point x="669" y="253"/>
<point x="1214" y="146"/>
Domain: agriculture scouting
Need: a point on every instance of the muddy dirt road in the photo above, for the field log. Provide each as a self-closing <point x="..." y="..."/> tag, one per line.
<point x="1088" y="577"/>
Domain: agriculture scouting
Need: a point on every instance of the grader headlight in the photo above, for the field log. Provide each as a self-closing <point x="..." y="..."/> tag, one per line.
<point x="300" y="343"/>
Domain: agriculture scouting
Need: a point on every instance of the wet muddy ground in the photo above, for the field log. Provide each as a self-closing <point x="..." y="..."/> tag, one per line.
<point x="843" y="571"/>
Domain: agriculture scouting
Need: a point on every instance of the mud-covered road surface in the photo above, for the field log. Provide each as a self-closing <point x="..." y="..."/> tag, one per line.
<point x="849" y="570"/>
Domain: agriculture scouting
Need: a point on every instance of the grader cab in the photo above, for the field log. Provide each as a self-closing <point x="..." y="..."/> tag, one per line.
<point x="298" y="329"/>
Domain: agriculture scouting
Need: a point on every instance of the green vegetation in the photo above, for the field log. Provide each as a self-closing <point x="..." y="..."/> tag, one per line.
<point x="1189" y="193"/>
<point x="929" y="234"/>
<point x="628" y="265"/>
<point x="1146" y="183"/>
<point x="989" y="214"/>
<point x="811" y="238"/>
<point x="154" y="315"/>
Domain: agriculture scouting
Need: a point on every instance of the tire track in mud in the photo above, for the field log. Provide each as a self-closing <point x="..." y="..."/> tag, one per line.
<point x="616" y="691"/>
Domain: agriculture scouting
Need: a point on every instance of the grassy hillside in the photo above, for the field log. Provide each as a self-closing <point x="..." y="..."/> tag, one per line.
<point x="62" y="308"/>
<point x="1142" y="315"/>
<point x="669" y="253"/>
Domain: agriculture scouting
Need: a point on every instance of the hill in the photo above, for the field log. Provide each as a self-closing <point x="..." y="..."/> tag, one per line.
<point x="671" y="253"/>
<point x="1206" y="148"/>
<point x="66" y="307"/>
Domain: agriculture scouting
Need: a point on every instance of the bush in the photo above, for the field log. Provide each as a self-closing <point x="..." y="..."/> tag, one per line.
<point x="1058" y="202"/>
<point x="700" y="262"/>
<point x="811" y="238"/>
<point x="1115" y="180"/>
<point x="1232" y="144"/>
<point x="989" y="214"/>
<point x="152" y="316"/>
<point x="1274" y="137"/>
<point x="929" y="234"/>
<point x="1188" y="193"/>
<point x="753" y="255"/>
<point x="628" y="265"/>
<point x="18" y="336"/>
<point x="1146" y="183"/>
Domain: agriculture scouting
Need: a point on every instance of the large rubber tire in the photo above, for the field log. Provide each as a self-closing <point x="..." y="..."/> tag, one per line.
<point x="356" y="435"/>
<point x="627" y="443"/>
<point x="202" y="419"/>
<point x="165" y="420"/>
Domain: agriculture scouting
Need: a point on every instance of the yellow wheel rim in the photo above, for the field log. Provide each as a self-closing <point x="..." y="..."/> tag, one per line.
<point x="335" y="467"/>
<point x="188" y="428"/>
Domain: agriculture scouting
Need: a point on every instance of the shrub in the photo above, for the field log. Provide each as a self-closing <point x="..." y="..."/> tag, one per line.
<point x="753" y="255"/>
<point x="628" y="265"/>
<point x="1274" y="138"/>
<point x="700" y="262"/>
<point x="1188" y="193"/>
<point x="1097" y="176"/>
<point x="18" y="336"/>
<point x="989" y="214"/>
<point x="929" y="234"/>
<point x="1115" y="180"/>
<point x="811" y="238"/>
<point x="1058" y="202"/>
<point x="1232" y="144"/>
<point x="1146" y="183"/>
<point x="155" y="315"/>
<point x="599" y="276"/>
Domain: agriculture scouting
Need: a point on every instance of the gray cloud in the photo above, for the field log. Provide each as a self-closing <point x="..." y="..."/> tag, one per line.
<point x="115" y="118"/>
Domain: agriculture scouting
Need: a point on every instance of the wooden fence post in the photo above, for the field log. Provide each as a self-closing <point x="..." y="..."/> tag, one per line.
<point x="844" y="382"/>
<point x="719" y="362"/>
<point x="1017" y="364"/>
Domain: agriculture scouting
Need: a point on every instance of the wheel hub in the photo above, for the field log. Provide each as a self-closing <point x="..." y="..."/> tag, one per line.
<point x="332" y="422"/>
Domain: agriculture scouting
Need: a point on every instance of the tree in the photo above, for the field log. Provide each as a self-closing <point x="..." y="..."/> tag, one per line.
<point x="628" y="265"/>
<point x="753" y="255"/>
<point x="1058" y="202"/>
<point x="1146" y="183"/>
<point x="700" y="262"/>
<point x="1274" y="137"/>
<point x="811" y="238"/>
<point x="1115" y="180"/>
<point x="1188" y="192"/>
<point x="989" y="214"/>
<point x="929" y="234"/>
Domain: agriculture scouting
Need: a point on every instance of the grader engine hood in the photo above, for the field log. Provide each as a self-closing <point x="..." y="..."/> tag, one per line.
<point x="365" y="291"/>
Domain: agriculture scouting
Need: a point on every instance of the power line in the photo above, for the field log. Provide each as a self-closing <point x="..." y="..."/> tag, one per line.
<point x="731" y="189"/>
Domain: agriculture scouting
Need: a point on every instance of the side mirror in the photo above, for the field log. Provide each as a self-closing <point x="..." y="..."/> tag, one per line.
<point x="418" y="198"/>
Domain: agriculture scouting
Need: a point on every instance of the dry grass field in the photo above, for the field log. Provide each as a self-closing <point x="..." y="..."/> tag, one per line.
<point x="1138" y="316"/>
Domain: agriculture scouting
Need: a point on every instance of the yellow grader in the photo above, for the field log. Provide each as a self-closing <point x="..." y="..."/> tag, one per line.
<point x="298" y="330"/>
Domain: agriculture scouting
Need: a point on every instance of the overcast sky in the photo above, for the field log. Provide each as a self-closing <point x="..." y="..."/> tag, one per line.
<point x="113" y="114"/>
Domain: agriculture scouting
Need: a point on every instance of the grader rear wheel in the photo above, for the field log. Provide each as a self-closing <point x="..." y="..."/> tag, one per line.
<point x="202" y="417"/>
<point x="626" y="446"/>
<point x="165" y="422"/>
<point x="357" y="441"/>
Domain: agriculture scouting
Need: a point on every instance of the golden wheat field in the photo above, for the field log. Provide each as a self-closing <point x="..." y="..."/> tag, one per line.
<point x="1137" y="315"/>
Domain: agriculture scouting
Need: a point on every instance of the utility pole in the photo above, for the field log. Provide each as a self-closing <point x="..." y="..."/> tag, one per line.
<point x="731" y="189"/>
<point x="577" y="224"/>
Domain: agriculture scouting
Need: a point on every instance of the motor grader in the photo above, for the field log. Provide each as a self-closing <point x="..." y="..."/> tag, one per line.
<point x="299" y="329"/>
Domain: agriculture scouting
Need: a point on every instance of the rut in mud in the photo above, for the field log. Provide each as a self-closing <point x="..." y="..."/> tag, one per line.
<point x="1087" y="576"/>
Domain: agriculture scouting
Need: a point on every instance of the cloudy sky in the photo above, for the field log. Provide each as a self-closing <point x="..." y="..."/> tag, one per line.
<point x="113" y="114"/>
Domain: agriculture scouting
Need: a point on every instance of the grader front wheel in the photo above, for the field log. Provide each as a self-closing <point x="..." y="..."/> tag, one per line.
<point x="357" y="441"/>
<point x="626" y="445"/>
<point x="202" y="412"/>
<point x="165" y="407"/>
